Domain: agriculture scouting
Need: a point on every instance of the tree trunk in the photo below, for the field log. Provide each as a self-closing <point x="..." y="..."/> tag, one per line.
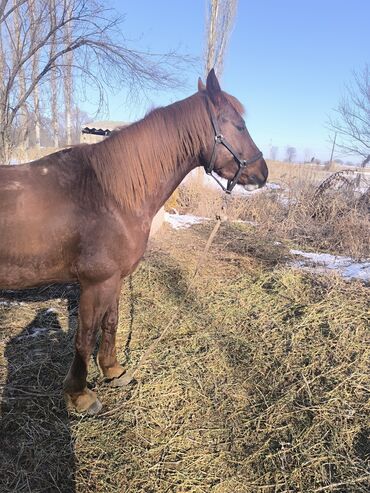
<point x="35" y="71"/>
<point x="53" y="82"/>
<point x="67" y="79"/>
<point x="23" y="138"/>
<point x="365" y="161"/>
<point x="220" y="24"/>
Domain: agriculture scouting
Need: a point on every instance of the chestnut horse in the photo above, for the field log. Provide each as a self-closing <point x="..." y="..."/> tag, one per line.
<point x="83" y="214"/>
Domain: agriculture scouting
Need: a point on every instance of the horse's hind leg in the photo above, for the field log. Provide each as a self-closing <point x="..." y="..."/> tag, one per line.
<point x="107" y="351"/>
<point x="94" y="302"/>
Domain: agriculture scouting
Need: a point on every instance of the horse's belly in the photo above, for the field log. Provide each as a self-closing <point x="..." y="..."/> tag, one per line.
<point x="33" y="260"/>
<point x="30" y="275"/>
<point x="34" y="248"/>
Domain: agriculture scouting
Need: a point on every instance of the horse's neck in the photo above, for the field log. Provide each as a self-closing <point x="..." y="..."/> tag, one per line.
<point x="152" y="156"/>
<point x="157" y="198"/>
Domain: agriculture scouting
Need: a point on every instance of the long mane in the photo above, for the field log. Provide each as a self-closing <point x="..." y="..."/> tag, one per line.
<point x="130" y="162"/>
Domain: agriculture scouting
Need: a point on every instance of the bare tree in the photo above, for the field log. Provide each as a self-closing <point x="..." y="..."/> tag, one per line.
<point x="220" y="22"/>
<point x="53" y="78"/>
<point x="352" y="120"/>
<point x="68" y="81"/>
<point x="35" y="71"/>
<point x="103" y="58"/>
<point x="20" y="88"/>
<point x="290" y="153"/>
<point x="274" y="152"/>
<point x="307" y="155"/>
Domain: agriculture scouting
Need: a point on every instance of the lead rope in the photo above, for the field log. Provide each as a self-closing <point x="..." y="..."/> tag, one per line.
<point x="127" y="378"/>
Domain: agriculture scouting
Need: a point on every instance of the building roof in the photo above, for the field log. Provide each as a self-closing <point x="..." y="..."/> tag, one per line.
<point x="102" y="127"/>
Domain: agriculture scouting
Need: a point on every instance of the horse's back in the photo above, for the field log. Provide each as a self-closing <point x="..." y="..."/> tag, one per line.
<point x="30" y="194"/>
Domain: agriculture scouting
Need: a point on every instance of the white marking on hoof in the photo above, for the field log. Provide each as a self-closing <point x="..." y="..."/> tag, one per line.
<point x="95" y="408"/>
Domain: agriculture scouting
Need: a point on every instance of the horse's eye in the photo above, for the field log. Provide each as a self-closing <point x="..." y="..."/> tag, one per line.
<point x="240" y="127"/>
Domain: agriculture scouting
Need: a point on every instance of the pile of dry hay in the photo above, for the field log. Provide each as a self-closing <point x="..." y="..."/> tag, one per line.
<point x="330" y="215"/>
<point x="261" y="386"/>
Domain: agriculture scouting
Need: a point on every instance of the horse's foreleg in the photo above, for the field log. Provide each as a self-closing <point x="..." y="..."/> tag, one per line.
<point x="94" y="302"/>
<point x="107" y="351"/>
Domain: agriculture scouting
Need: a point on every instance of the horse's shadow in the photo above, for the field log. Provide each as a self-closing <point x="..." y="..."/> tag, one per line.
<point x="36" y="445"/>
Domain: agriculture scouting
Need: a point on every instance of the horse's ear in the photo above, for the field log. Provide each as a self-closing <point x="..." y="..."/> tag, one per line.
<point x="213" y="87"/>
<point x="201" y="86"/>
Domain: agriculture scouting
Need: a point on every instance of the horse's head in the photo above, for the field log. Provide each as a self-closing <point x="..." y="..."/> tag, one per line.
<point x="233" y="154"/>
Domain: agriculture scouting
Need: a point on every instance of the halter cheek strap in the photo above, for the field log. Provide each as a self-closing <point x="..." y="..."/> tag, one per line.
<point x="242" y="163"/>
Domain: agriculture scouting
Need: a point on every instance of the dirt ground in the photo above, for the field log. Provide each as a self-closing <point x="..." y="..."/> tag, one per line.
<point x="261" y="386"/>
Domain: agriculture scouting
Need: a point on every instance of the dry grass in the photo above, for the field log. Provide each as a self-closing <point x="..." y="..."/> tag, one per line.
<point x="280" y="171"/>
<point x="336" y="220"/>
<point x="260" y="388"/>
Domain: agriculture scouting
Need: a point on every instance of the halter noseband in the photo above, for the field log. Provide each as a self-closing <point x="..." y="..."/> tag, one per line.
<point x="242" y="163"/>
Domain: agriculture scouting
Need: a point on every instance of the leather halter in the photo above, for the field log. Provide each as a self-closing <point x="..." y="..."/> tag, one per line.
<point x="242" y="163"/>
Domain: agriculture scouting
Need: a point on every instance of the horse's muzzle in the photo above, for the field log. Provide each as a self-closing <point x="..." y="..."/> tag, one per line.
<point x="258" y="179"/>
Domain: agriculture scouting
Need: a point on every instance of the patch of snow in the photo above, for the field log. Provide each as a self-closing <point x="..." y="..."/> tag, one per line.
<point x="9" y="303"/>
<point x="250" y="223"/>
<point x="324" y="262"/>
<point x="51" y="310"/>
<point x="240" y="190"/>
<point x="208" y="181"/>
<point x="285" y="200"/>
<point x="183" y="221"/>
<point x="272" y="186"/>
<point x="35" y="332"/>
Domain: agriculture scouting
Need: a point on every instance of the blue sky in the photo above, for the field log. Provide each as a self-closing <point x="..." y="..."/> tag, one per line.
<point x="288" y="61"/>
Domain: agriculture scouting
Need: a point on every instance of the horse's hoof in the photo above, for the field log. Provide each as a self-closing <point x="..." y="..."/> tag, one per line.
<point x="122" y="381"/>
<point x="85" y="403"/>
<point x="95" y="408"/>
<point x="113" y="371"/>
